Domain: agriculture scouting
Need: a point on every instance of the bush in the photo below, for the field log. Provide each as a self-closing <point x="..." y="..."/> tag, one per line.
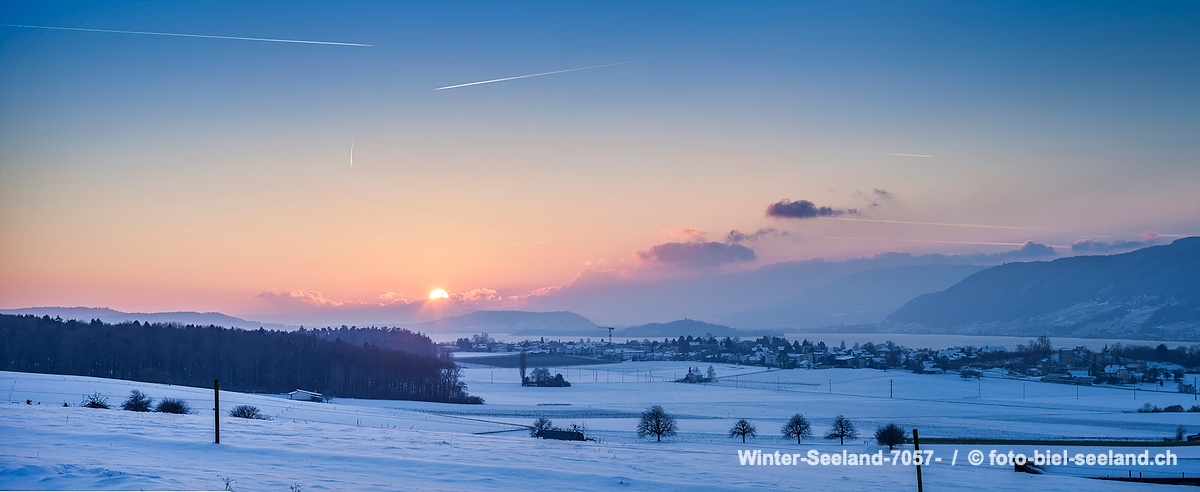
<point x="247" y="412"/>
<point x="1195" y="408"/>
<point x="1148" y="408"/>
<point x="95" y="400"/>
<point x="1174" y="408"/>
<point x="1180" y="433"/>
<point x="541" y="377"/>
<point x="173" y="405"/>
<point x="137" y="402"/>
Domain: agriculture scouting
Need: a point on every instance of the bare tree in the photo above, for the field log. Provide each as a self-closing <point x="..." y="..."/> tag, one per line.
<point x="890" y="435"/>
<point x="541" y="424"/>
<point x="743" y="428"/>
<point x="797" y="427"/>
<point x="841" y="430"/>
<point x="656" y="422"/>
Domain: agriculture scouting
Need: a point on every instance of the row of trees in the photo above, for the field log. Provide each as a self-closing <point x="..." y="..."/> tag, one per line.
<point x="658" y="423"/>
<point x="244" y="360"/>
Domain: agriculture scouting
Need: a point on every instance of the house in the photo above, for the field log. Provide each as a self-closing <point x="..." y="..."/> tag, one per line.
<point x="302" y="395"/>
<point x="1117" y="371"/>
<point x="929" y="367"/>
<point x="848" y="361"/>
<point x="694" y="377"/>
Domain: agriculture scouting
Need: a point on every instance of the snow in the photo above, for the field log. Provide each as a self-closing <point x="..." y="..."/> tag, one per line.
<point x="389" y="445"/>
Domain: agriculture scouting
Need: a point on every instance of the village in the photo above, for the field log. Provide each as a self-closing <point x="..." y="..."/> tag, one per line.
<point x="1115" y="366"/>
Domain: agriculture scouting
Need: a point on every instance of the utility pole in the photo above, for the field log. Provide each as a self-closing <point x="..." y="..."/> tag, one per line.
<point x="891" y="386"/>
<point x="217" y="409"/>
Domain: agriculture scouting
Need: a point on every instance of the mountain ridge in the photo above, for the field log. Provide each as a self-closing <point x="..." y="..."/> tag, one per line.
<point x="1149" y="293"/>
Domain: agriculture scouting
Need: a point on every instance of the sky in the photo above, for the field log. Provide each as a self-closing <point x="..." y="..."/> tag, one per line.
<point x="152" y="172"/>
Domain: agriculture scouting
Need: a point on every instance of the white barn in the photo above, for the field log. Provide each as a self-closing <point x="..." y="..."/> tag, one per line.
<point x="303" y="395"/>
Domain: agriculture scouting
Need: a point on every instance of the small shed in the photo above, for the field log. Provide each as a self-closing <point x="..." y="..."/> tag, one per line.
<point x="302" y="395"/>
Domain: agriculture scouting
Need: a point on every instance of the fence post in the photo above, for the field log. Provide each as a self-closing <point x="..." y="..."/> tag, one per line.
<point x="217" y="410"/>
<point x="917" y="451"/>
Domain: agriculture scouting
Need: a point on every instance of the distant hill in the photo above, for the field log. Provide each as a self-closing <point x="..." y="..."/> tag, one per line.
<point x="1151" y="293"/>
<point x="859" y="298"/>
<point x="608" y="299"/>
<point x="513" y="322"/>
<point x="685" y="327"/>
<point x="113" y="316"/>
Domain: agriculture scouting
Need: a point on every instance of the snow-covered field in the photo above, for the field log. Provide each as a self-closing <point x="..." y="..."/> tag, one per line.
<point x="400" y="445"/>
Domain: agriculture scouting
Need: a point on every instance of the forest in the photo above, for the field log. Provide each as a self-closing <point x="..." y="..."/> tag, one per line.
<point x="377" y="363"/>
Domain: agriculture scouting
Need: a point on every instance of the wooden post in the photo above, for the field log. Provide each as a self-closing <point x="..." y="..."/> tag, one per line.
<point x="217" y="410"/>
<point x="917" y="451"/>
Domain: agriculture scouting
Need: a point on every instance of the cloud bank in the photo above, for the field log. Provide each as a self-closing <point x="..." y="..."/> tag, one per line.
<point x="1150" y="238"/>
<point x="696" y="254"/>
<point x="1027" y="251"/>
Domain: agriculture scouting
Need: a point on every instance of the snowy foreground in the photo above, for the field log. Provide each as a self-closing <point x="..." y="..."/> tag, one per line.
<point x="399" y="445"/>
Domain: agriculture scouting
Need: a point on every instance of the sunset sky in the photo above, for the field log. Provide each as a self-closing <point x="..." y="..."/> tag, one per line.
<point x="146" y="172"/>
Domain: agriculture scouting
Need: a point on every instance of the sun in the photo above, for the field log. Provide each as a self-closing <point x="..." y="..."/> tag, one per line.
<point x="439" y="294"/>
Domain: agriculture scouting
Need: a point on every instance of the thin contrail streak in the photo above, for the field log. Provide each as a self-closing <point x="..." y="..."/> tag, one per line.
<point x="902" y="155"/>
<point x="977" y="243"/>
<point x="947" y="224"/>
<point x="236" y="38"/>
<point x="534" y="75"/>
<point x="352" y="153"/>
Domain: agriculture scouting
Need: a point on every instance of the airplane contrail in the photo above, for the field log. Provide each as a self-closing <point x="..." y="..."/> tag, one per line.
<point x="352" y="153"/>
<point x="902" y="155"/>
<point x="236" y="38"/>
<point x="937" y="241"/>
<point x="948" y="224"/>
<point x="534" y="75"/>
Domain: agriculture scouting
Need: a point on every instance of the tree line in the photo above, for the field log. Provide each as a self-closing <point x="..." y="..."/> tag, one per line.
<point x="244" y="360"/>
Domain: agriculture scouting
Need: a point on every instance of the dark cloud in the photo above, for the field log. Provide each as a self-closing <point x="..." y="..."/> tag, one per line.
<point x="697" y="254"/>
<point x="804" y="209"/>
<point x="735" y="236"/>
<point x="882" y="194"/>
<point x="1088" y="245"/>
